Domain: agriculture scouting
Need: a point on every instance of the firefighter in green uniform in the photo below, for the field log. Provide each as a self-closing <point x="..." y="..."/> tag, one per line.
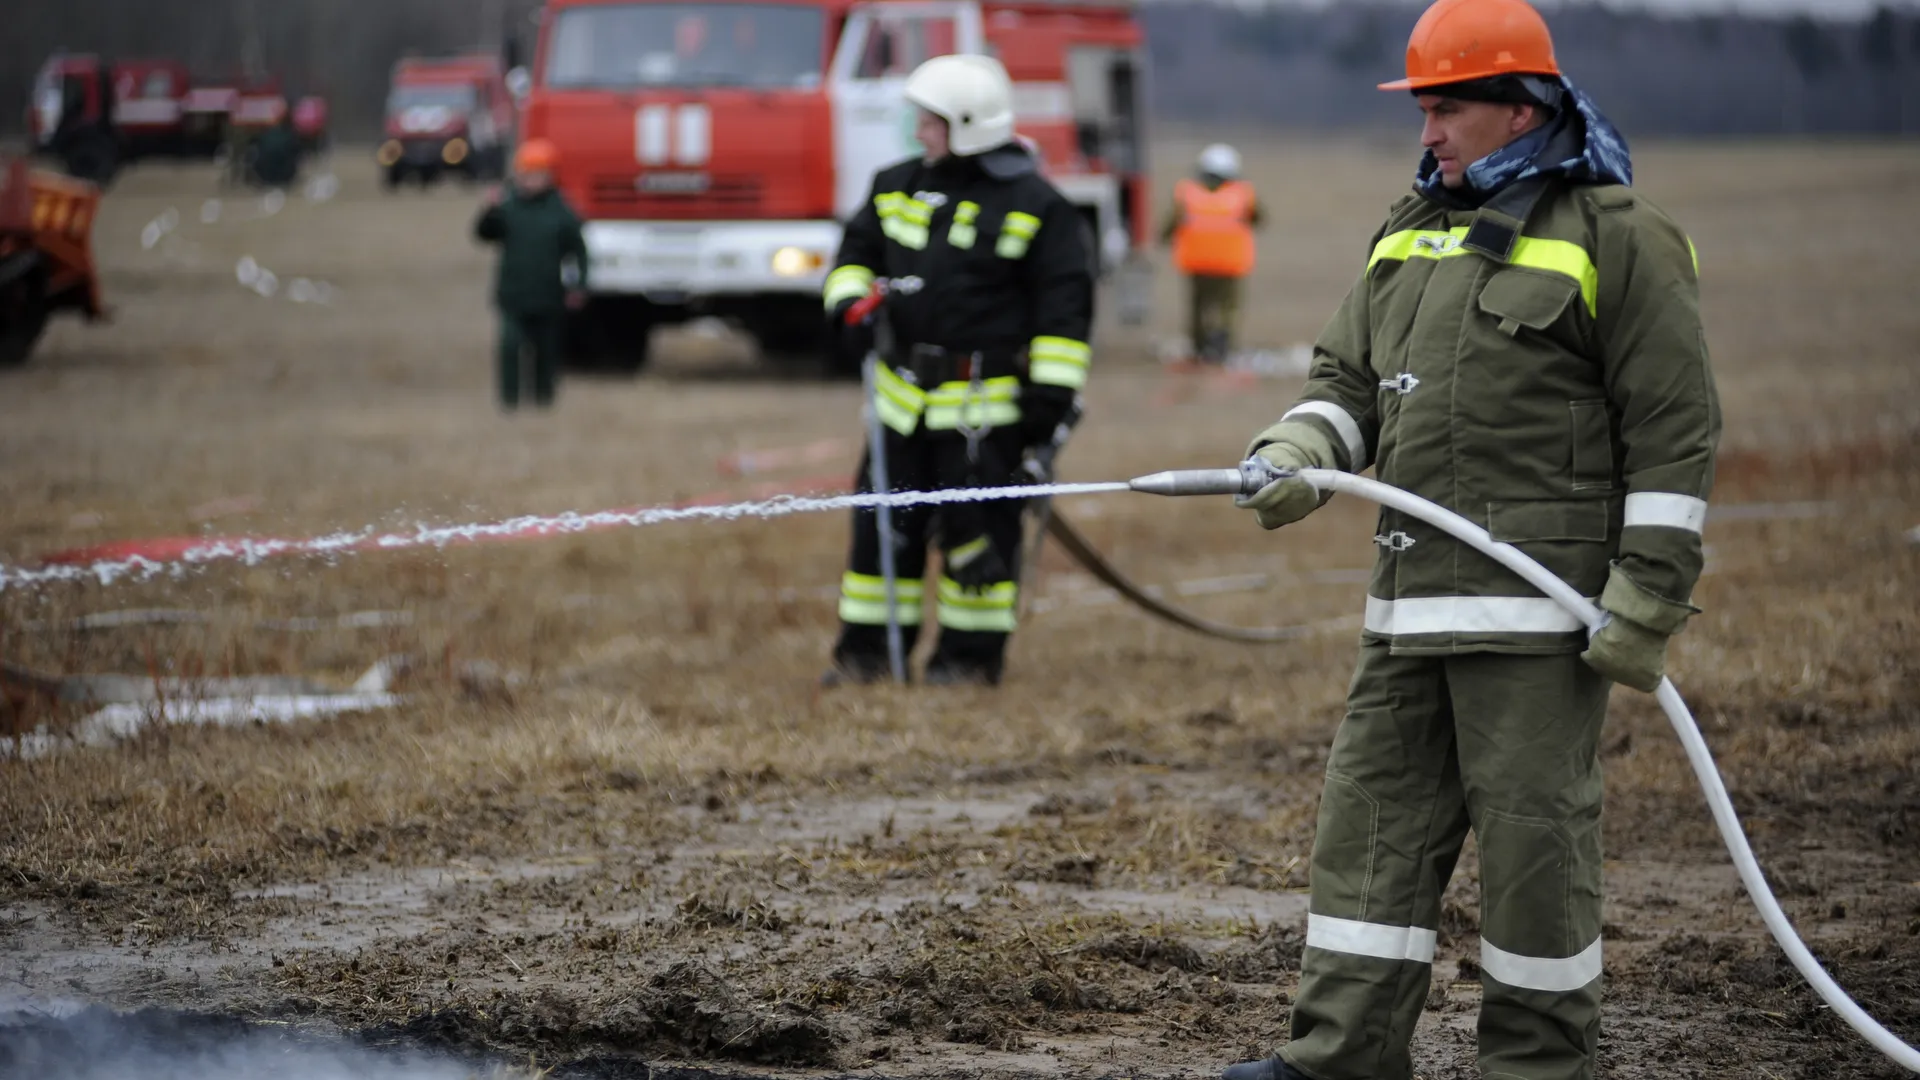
<point x="989" y="303"/>
<point x="276" y="154"/>
<point x="1524" y="348"/>
<point x="542" y="274"/>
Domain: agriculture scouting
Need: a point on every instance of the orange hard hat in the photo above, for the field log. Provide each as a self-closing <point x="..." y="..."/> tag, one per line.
<point x="535" y="155"/>
<point x="1462" y="40"/>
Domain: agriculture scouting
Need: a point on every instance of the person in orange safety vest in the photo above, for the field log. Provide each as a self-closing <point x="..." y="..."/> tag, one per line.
<point x="1211" y="229"/>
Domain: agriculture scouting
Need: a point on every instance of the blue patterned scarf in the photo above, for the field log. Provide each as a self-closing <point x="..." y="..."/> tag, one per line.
<point x="1579" y="143"/>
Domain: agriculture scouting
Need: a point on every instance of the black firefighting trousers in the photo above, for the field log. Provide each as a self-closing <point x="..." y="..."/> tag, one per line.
<point x="978" y="591"/>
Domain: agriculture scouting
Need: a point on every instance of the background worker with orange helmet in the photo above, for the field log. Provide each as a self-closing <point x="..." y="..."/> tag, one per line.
<point x="1524" y="348"/>
<point x="1211" y="230"/>
<point x="542" y="272"/>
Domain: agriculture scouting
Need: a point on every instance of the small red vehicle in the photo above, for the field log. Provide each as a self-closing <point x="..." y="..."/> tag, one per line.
<point x="447" y="115"/>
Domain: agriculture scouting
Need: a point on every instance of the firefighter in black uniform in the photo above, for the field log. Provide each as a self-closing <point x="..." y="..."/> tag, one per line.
<point x="988" y="286"/>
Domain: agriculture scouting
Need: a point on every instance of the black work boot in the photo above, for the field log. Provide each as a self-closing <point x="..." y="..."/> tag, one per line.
<point x="856" y="670"/>
<point x="946" y="671"/>
<point x="1272" y="1068"/>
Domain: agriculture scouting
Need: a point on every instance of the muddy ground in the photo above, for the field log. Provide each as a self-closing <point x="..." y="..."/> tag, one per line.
<point x="613" y="822"/>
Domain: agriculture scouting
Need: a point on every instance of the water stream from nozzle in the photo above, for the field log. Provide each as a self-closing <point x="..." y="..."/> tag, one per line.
<point x="252" y="551"/>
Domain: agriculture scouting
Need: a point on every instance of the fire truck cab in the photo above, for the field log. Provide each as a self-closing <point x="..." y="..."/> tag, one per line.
<point x="716" y="147"/>
<point x="96" y="115"/>
<point x="447" y="115"/>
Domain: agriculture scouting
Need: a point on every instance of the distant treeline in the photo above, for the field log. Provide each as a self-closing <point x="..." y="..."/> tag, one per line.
<point x="1276" y="65"/>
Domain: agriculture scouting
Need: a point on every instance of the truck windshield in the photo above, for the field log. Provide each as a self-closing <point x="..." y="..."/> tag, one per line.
<point x="769" y="46"/>
<point x="457" y="98"/>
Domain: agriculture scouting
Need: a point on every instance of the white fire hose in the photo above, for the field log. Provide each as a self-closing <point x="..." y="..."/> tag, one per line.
<point x="1256" y="473"/>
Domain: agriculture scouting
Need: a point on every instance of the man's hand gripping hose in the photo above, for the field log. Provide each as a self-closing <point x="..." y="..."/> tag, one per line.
<point x="1256" y="473"/>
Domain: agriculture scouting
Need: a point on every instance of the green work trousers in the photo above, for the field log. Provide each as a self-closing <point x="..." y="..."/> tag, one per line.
<point x="1429" y="746"/>
<point x="1213" y="313"/>
<point x="540" y="335"/>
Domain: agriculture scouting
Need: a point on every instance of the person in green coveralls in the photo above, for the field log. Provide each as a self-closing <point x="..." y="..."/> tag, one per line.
<point x="1523" y="347"/>
<point x="542" y="273"/>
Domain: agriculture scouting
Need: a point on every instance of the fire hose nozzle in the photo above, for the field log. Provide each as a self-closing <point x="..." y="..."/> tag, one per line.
<point x="1252" y="475"/>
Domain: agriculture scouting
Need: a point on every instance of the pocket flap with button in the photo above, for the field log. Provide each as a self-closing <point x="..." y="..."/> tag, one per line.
<point x="1527" y="298"/>
<point x="1548" y="519"/>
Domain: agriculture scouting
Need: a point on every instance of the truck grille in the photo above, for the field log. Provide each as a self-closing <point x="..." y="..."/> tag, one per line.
<point x="624" y="194"/>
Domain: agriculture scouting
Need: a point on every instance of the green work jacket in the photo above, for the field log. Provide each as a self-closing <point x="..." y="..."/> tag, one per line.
<point x="1562" y="399"/>
<point x="542" y="253"/>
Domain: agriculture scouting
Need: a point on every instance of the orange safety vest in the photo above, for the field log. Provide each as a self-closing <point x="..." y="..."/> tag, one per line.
<point x="1215" y="235"/>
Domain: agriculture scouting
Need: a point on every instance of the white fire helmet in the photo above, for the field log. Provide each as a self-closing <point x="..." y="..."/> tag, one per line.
<point x="1220" y="160"/>
<point x="973" y="94"/>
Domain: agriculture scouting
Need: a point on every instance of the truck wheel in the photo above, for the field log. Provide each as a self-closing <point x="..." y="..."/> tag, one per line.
<point x="791" y="333"/>
<point x="393" y="177"/>
<point x="93" y="157"/>
<point x="23" y="316"/>
<point x="614" y="335"/>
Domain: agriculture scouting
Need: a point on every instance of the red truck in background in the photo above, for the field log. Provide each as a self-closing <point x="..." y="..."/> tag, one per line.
<point x="96" y="116"/>
<point x="46" y="254"/>
<point x="447" y="115"/>
<point x="715" y="147"/>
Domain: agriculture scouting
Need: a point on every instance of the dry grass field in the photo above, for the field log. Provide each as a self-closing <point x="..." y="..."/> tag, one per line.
<point x="647" y="837"/>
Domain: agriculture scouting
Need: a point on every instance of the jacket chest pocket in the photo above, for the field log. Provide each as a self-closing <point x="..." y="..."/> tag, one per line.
<point x="1520" y="300"/>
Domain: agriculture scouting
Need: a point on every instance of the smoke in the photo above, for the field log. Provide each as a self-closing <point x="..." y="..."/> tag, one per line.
<point x="67" y="1041"/>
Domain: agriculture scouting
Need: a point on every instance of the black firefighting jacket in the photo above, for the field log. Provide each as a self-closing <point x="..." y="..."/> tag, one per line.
<point x="981" y="254"/>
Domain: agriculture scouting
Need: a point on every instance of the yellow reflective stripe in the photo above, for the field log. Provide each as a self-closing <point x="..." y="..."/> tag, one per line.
<point x="1058" y="348"/>
<point x="967" y="552"/>
<point x="1695" y="252"/>
<point x="1058" y="361"/>
<point x="863" y="600"/>
<point x="847" y="283"/>
<point x="903" y="218"/>
<point x="905" y="233"/>
<point x="1004" y="388"/>
<point x="1016" y="233"/>
<point x="1554" y="256"/>
<point x="1055" y="373"/>
<point x="995" y="404"/>
<point x="979" y="414"/>
<point x="874" y="613"/>
<point x="1020" y="224"/>
<point x="963" y="233"/>
<point x="896" y="401"/>
<point x="1418" y="243"/>
<point x="1561" y="257"/>
<point x="1000" y="594"/>
<point x="992" y="609"/>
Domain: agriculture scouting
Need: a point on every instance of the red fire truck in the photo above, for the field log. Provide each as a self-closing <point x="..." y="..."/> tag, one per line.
<point x="447" y="115"/>
<point x="96" y="115"/>
<point x="716" y="146"/>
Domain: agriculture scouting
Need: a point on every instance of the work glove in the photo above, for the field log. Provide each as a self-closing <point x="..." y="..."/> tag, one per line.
<point x="1042" y="408"/>
<point x="1292" y="445"/>
<point x="1631" y="648"/>
<point x="975" y="564"/>
<point x="852" y="327"/>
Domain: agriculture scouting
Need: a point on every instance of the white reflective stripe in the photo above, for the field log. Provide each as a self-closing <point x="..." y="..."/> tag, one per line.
<point x="1666" y="509"/>
<point x="694" y="141"/>
<point x="1370" y="939"/>
<point x="1469" y="615"/>
<point x="1540" y="973"/>
<point x="1343" y="423"/>
<point x="650" y="137"/>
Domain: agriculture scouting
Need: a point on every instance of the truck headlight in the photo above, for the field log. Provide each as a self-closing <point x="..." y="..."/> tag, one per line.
<point x="454" y="152"/>
<point x="390" y="152"/>
<point x="797" y="262"/>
